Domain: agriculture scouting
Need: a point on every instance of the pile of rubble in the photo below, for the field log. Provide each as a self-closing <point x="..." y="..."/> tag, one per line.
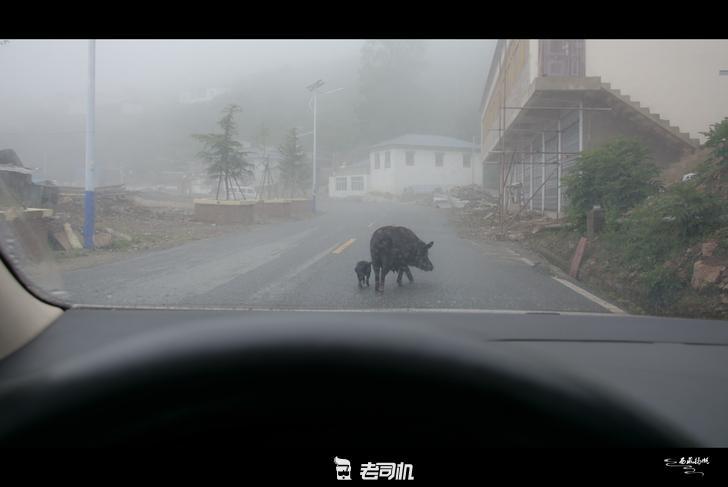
<point x="124" y="220"/>
<point x="66" y="226"/>
<point x="704" y="267"/>
<point x="471" y="192"/>
<point x="479" y="218"/>
<point x="475" y="197"/>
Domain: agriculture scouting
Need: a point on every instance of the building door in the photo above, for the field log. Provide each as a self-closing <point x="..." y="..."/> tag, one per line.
<point x="561" y="57"/>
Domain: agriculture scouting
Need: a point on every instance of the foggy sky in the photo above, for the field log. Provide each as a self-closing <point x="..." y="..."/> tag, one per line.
<point x="43" y="85"/>
<point x="48" y="68"/>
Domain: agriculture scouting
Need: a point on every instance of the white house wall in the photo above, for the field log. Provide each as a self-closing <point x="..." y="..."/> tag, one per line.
<point x="676" y="78"/>
<point x="380" y="180"/>
<point x="424" y="172"/>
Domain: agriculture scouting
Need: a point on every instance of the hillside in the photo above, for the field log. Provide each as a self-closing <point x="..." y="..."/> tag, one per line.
<point x="666" y="256"/>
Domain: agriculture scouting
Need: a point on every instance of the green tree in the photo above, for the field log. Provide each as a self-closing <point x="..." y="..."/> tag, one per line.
<point x="224" y="156"/>
<point x="666" y="223"/>
<point x="294" y="170"/>
<point x="717" y="139"/>
<point x="616" y="176"/>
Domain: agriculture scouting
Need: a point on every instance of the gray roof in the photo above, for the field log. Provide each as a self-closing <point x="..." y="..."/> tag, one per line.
<point x="417" y="140"/>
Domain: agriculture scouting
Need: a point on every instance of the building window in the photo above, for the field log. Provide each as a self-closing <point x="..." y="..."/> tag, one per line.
<point x="410" y="158"/>
<point x="376" y="160"/>
<point x="357" y="183"/>
<point x="439" y="158"/>
<point x="387" y="160"/>
<point x="340" y="184"/>
<point x="466" y="160"/>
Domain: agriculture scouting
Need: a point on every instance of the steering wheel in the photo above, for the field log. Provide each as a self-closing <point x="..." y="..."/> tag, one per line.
<point x="312" y="384"/>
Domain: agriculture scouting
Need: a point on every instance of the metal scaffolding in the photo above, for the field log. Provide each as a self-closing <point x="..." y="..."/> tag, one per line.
<point x="515" y="158"/>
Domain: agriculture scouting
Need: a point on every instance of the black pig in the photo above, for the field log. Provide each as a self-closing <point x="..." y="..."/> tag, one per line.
<point x="394" y="249"/>
<point x="363" y="270"/>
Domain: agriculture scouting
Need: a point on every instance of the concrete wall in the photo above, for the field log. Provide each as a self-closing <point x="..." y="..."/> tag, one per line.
<point x="273" y="210"/>
<point x="600" y="127"/>
<point x="225" y="212"/>
<point x="381" y="180"/>
<point x="676" y="78"/>
<point x="301" y="207"/>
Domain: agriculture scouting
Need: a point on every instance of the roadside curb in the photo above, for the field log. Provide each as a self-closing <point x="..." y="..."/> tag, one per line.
<point x="562" y="267"/>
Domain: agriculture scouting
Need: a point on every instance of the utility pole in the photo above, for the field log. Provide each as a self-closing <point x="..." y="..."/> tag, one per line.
<point x="472" y="162"/>
<point x="314" y="89"/>
<point x="313" y="189"/>
<point x="90" y="174"/>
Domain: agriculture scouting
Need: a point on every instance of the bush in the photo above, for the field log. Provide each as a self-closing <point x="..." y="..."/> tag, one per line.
<point x="663" y="288"/>
<point x="616" y="176"/>
<point x="665" y="223"/>
<point x="718" y="140"/>
<point x="713" y="172"/>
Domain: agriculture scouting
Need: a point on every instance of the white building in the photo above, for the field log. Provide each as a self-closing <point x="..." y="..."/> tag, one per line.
<point x="547" y="100"/>
<point x="423" y="161"/>
<point x="349" y="181"/>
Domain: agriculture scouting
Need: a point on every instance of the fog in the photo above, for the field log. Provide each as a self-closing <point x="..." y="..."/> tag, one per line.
<point x="151" y="97"/>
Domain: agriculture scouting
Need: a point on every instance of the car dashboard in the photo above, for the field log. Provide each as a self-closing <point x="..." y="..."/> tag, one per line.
<point x="671" y="372"/>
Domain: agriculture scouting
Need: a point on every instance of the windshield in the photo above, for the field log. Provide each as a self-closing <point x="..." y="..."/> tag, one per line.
<point x="516" y="175"/>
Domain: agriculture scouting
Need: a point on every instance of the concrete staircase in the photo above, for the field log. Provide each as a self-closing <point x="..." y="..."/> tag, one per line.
<point x="673" y="130"/>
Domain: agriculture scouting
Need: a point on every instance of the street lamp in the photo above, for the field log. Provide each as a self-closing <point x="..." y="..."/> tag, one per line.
<point x="89" y="214"/>
<point x="314" y="88"/>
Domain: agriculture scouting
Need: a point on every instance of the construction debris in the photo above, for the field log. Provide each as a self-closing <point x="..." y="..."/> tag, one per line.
<point x="72" y="238"/>
<point x="126" y="221"/>
<point x="471" y="193"/>
<point x="60" y="239"/>
<point x="479" y="219"/>
<point x="102" y="240"/>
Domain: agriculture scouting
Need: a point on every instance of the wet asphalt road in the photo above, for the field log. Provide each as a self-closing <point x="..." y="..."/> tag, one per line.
<point x="310" y="264"/>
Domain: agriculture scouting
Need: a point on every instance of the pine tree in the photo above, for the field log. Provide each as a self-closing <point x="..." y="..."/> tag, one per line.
<point x="224" y="156"/>
<point x="261" y="140"/>
<point x="295" y="172"/>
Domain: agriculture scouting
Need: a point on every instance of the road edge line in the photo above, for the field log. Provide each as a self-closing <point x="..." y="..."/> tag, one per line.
<point x="604" y="304"/>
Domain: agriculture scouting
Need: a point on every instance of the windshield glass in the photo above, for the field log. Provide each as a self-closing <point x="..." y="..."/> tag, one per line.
<point x="562" y="175"/>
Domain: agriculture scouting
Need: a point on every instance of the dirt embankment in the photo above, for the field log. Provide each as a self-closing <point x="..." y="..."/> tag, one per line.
<point x="128" y="223"/>
<point x="698" y="288"/>
<point x="598" y="270"/>
<point x="696" y="285"/>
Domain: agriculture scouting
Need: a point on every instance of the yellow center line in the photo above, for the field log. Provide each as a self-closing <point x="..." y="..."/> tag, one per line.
<point x="343" y="246"/>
